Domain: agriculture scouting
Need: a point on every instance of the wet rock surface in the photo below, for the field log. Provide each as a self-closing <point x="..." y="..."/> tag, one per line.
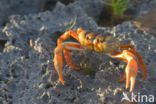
<point x="27" y="74"/>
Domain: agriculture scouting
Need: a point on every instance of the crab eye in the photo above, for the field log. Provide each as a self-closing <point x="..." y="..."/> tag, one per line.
<point x="90" y="36"/>
<point x="87" y="37"/>
<point x="99" y="39"/>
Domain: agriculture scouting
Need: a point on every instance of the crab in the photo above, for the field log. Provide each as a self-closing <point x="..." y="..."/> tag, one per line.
<point x="101" y="44"/>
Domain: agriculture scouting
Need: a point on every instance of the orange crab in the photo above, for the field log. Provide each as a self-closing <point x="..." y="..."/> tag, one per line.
<point x="102" y="44"/>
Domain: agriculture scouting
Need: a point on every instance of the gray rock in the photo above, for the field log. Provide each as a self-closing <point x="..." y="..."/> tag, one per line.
<point x="10" y="7"/>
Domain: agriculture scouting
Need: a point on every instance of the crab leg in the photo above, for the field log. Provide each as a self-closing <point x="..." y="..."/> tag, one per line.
<point x="66" y="35"/>
<point x="140" y="59"/>
<point x="71" y="46"/>
<point x="58" y="60"/>
<point x="141" y="63"/>
<point x="131" y="68"/>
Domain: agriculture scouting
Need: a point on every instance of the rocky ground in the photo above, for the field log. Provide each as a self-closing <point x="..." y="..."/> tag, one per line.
<point x="27" y="41"/>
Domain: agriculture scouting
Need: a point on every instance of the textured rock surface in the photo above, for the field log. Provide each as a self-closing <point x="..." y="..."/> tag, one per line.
<point x="9" y="7"/>
<point x="27" y="74"/>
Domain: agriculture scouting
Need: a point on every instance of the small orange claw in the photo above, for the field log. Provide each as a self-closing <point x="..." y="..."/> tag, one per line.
<point x="131" y="68"/>
<point x="131" y="73"/>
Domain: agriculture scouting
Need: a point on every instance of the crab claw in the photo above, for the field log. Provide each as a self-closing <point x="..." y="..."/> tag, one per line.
<point x="131" y="67"/>
<point x="131" y="73"/>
